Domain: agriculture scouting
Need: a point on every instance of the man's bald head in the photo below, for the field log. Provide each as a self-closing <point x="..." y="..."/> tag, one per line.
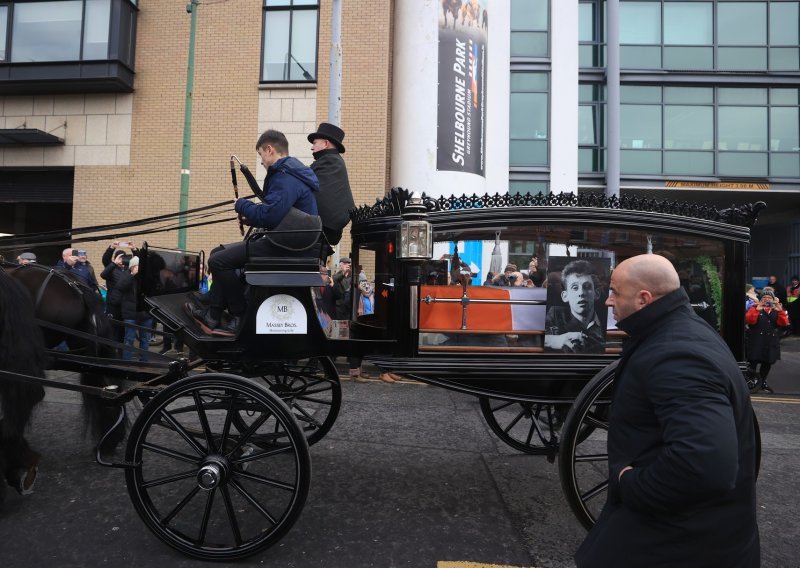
<point x="651" y="272"/>
<point x="638" y="282"/>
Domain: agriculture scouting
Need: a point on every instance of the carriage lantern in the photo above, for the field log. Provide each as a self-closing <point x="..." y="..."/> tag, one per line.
<point x="416" y="241"/>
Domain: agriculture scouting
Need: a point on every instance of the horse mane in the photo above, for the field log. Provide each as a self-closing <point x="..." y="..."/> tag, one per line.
<point x="21" y="351"/>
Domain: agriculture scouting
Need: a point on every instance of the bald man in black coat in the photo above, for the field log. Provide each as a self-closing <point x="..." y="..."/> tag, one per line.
<point x="681" y="439"/>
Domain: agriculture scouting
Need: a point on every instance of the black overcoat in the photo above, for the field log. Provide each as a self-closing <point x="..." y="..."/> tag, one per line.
<point x="334" y="198"/>
<point x="763" y="338"/>
<point x="681" y="416"/>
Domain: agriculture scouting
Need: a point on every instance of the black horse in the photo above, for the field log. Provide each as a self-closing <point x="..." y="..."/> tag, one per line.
<point x="61" y="299"/>
<point x="22" y="352"/>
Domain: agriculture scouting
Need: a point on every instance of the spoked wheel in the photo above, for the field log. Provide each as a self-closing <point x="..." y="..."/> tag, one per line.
<point x="201" y="483"/>
<point x="530" y="427"/>
<point x="583" y="459"/>
<point x="312" y="391"/>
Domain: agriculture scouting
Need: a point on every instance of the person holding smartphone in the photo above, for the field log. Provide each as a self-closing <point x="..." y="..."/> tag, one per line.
<point x="765" y="320"/>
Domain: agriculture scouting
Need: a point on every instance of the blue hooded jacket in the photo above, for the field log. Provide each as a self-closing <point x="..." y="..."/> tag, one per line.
<point x="289" y="184"/>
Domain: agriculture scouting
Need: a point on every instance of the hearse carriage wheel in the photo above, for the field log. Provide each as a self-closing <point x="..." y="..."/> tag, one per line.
<point x="201" y="484"/>
<point x="530" y="427"/>
<point x="312" y="391"/>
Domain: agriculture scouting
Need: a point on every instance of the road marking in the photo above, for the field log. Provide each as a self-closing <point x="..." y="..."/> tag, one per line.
<point x="466" y="564"/>
<point x="773" y="399"/>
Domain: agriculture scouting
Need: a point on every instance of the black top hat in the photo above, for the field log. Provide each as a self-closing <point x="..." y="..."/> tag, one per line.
<point x="329" y="132"/>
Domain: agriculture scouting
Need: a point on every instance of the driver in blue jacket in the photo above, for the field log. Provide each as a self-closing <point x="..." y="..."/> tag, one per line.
<point x="289" y="188"/>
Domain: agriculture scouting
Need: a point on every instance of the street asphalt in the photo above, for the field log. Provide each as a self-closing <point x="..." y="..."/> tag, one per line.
<point x="784" y="377"/>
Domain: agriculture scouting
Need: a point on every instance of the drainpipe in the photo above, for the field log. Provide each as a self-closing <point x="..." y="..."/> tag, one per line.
<point x="186" y="154"/>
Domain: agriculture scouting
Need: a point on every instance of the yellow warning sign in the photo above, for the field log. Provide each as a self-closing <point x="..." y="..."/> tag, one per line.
<point x="717" y="185"/>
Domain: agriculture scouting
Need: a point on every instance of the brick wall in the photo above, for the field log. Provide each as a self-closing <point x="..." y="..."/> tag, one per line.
<point x="366" y="94"/>
<point x="224" y="120"/>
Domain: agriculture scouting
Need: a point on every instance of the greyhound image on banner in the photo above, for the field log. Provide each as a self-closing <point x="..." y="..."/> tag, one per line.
<point x="461" y="131"/>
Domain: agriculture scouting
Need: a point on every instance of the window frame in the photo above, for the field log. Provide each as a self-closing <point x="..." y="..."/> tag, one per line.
<point x="291" y="7"/>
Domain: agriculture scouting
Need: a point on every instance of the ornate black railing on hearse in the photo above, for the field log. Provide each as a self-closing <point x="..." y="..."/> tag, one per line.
<point x="397" y="199"/>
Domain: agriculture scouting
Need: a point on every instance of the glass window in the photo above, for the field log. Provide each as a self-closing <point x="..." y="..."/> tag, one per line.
<point x="529" y="25"/>
<point x="591" y="30"/>
<point x="587" y="125"/>
<point x="640" y="126"/>
<point x="586" y="21"/>
<point x="784" y="96"/>
<point x="591" y="128"/>
<point x="742" y="164"/>
<point x="689" y="163"/>
<point x="784" y="59"/>
<point x="95" y="33"/>
<point x="530" y="44"/>
<point x="3" y="31"/>
<point x="527" y="153"/>
<point x="528" y="82"/>
<point x="688" y="58"/>
<point x="290" y="40"/>
<point x="784" y="165"/>
<point x="640" y="162"/>
<point x="784" y="123"/>
<point x="742" y="96"/>
<point x="688" y="127"/>
<point x="689" y="95"/>
<point x="640" y="57"/>
<point x="638" y="94"/>
<point x="527" y="187"/>
<point x="688" y="23"/>
<point x="783" y="23"/>
<point x="512" y="314"/>
<point x="725" y="131"/>
<point x="742" y="58"/>
<point x="46" y="31"/>
<point x="742" y="23"/>
<point x="640" y="22"/>
<point x="529" y="119"/>
<point x="529" y="115"/>
<point x="742" y="129"/>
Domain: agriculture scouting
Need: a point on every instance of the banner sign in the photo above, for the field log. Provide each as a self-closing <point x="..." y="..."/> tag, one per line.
<point x="461" y="128"/>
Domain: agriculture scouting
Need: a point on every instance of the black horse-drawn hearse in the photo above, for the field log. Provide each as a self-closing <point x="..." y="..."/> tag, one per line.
<point x="217" y="462"/>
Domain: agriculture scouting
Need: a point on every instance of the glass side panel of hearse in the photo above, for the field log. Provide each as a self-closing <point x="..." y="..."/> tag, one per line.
<point x="542" y="289"/>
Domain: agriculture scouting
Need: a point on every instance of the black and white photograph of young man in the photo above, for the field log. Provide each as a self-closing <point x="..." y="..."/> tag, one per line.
<point x="576" y="314"/>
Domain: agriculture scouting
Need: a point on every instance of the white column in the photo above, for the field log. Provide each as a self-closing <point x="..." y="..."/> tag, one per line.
<point x="564" y="96"/>
<point x="498" y="98"/>
<point x="415" y="104"/>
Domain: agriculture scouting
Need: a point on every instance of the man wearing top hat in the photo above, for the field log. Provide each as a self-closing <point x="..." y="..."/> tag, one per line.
<point x="334" y="199"/>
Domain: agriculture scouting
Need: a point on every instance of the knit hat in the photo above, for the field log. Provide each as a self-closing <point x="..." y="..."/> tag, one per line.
<point x="510" y="268"/>
<point x="362" y="277"/>
<point x="134" y="261"/>
<point x="117" y="253"/>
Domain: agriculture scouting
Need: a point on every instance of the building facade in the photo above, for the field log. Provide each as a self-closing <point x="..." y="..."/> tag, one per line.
<point x="93" y="97"/>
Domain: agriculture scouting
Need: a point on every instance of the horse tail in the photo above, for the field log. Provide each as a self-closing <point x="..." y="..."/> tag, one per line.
<point x="21" y="351"/>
